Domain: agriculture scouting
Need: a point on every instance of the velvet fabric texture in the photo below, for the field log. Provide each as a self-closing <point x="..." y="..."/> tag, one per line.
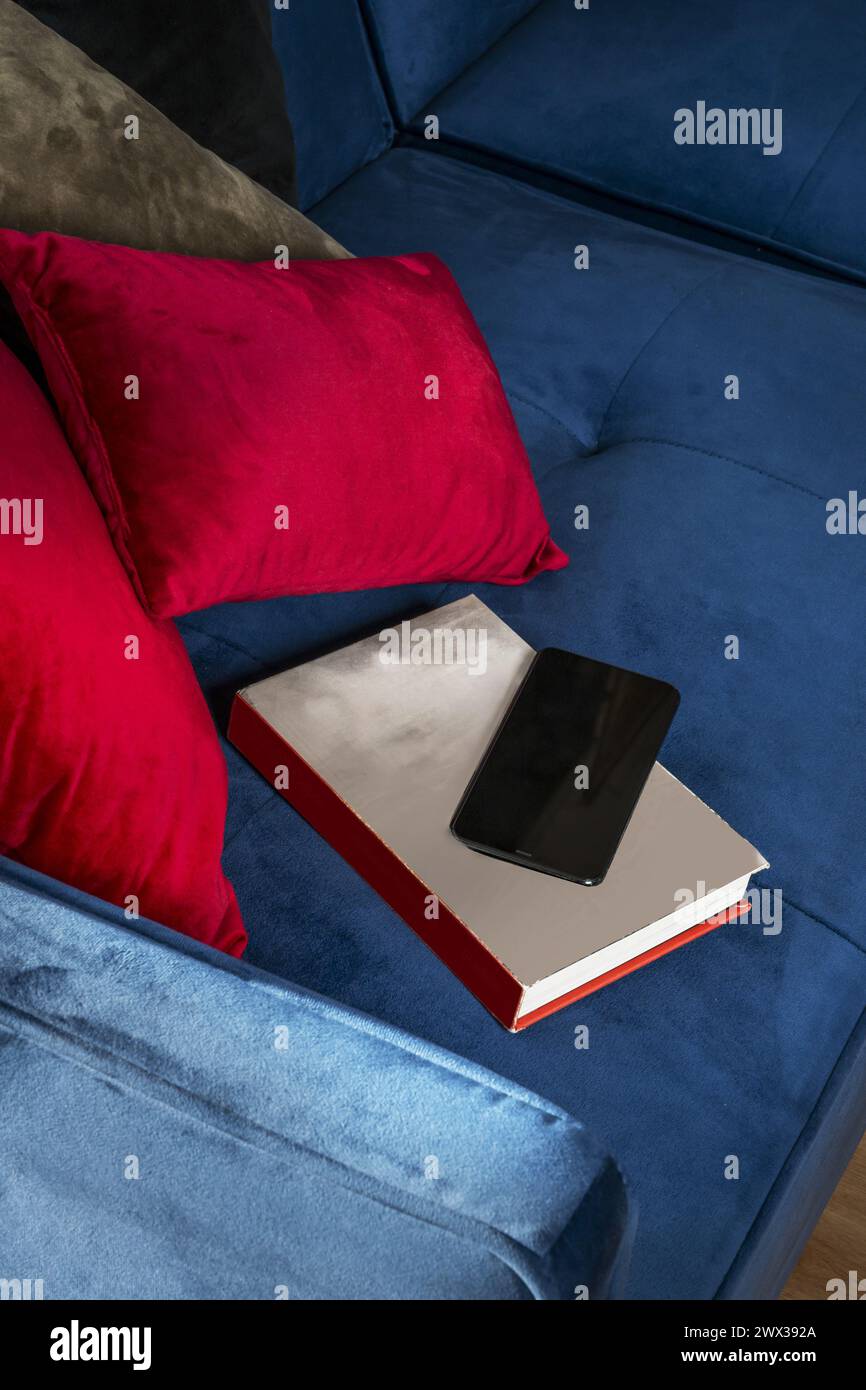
<point x="425" y="44"/>
<point x="322" y="48"/>
<point x="342" y="1158"/>
<point x="112" y="777"/>
<point x="638" y="423"/>
<point x="591" y="96"/>
<point x="209" y="67"/>
<point x="322" y="427"/>
<point x="69" y="167"/>
<point x="707" y="518"/>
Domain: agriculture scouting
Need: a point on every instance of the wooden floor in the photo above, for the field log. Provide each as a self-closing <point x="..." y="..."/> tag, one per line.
<point x="838" y="1242"/>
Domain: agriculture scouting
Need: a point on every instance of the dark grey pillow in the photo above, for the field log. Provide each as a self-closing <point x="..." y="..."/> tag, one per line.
<point x="66" y="164"/>
<point x="206" y="64"/>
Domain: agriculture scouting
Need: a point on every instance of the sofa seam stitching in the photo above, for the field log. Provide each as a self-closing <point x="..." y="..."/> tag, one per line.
<point x="711" y="453"/>
<point x="533" y="405"/>
<point x="253" y="816"/>
<point x="816" y="161"/>
<point x="822" y="922"/>
<point x="406" y="126"/>
<point x="693" y="290"/>
<point x="184" y="624"/>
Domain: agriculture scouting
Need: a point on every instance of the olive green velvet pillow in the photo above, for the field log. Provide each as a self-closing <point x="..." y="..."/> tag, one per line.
<point x="208" y="65"/>
<point x="83" y="154"/>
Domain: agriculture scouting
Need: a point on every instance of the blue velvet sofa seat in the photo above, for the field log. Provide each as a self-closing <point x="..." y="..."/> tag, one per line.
<point x="708" y="518"/>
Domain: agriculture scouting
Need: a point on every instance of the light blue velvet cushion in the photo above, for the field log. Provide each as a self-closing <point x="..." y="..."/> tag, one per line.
<point x="177" y="1124"/>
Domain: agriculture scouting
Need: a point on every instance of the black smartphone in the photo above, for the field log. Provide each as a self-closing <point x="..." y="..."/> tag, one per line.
<point x="564" y="771"/>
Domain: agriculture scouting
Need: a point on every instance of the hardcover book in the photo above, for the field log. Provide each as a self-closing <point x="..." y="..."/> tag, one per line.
<point x="374" y="745"/>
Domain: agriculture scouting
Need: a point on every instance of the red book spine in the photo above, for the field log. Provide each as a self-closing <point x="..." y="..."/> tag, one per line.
<point x="446" y="935"/>
<point x="730" y="914"/>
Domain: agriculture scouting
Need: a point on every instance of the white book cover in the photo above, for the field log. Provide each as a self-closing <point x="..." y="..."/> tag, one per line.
<point x="380" y="739"/>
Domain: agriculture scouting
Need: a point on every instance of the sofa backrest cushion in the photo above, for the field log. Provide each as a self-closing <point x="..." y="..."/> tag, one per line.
<point x="424" y="44"/>
<point x="333" y="93"/>
<point x="112" y="775"/>
<point x="338" y="1157"/>
<point x="209" y="67"/>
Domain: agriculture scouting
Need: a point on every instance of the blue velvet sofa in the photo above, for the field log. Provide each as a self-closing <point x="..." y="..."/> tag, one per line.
<point x="336" y="1116"/>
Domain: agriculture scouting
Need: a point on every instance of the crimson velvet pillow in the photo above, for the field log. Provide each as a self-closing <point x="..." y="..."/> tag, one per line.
<point x="252" y="430"/>
<point x="111" y="775"/>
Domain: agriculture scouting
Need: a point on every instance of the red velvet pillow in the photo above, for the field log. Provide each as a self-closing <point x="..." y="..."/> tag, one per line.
<point x="251" y="431"/>
<point x="111" y="775"/>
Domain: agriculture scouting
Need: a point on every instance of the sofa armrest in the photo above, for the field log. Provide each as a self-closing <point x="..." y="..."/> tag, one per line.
<point x="189" y="1126"/>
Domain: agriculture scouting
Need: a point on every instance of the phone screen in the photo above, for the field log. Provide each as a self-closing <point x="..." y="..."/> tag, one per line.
<point x="558" y="784"/>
